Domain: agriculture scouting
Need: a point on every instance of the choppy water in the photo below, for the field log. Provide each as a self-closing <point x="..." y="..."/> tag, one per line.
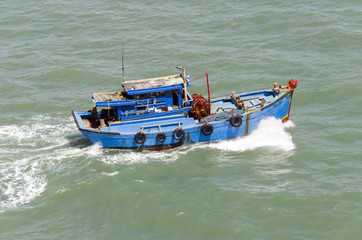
<point x="300" y="180"/>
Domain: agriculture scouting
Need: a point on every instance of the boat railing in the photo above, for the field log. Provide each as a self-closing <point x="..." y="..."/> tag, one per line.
<point x="159" y="126"/>
<point x="151" y="113"/>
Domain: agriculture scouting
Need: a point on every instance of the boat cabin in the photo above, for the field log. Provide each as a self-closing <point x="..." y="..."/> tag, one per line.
<point x="145" y="98"/>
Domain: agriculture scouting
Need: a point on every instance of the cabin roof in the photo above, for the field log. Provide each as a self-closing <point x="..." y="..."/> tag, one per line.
<point x="152" y="82"/>
<point x="107" y="96"/>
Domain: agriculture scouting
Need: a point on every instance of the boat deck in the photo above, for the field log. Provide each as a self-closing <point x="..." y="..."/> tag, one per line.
<point x="227" y="104"/>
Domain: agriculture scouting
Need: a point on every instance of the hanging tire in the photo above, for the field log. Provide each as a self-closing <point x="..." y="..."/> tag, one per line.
<point x="236" y="121"/>
<point x="207" y="129"/>
<point x="161" y="137"/>
<point x="140" y="137"/>
<point x="178" y="134"/>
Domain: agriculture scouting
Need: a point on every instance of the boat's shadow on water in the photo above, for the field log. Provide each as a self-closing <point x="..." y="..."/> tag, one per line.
<point x="78" y="141"/>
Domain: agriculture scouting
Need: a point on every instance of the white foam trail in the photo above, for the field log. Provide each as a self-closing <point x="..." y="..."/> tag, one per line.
<point x="131" y="157"/>
<point x="16" y="133"/>
<point x="20" y="182"/>
<point x="110" y="174"/>
<point x="62" y="190"/>
<point x="115" y="156"/>
<point x="95" y="150"/>
<point x="31" y="134"/>
<point x="270" y="133"/>
<point x="23" y="179"/>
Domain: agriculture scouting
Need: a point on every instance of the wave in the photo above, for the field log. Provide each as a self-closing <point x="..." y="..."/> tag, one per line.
<point x="271" y="133"/>
<point x="20" y="182"/>
<point x="130" y="157"/>
<point x="25" y="153"/>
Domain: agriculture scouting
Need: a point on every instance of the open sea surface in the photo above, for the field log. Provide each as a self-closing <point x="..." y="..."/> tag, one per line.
<point x="299" y="180"/>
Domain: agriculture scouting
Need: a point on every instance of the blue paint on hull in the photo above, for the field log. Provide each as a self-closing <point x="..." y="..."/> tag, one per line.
<point x="122" y="134"/>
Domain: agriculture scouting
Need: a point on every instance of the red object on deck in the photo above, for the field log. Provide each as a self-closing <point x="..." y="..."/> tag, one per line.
<point x="292" y="83"/>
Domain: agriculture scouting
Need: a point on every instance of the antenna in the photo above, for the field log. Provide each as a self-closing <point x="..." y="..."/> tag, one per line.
<point x="178" y="57"/>
<point x="123" y="62"/>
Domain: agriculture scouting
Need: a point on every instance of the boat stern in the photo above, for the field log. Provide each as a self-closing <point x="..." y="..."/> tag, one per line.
<point x="91" y="127"/>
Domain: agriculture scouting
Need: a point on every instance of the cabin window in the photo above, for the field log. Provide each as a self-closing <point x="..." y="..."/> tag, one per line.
<point x="147" y="95"/>
<point x="162" y="93"/>
<point x="137" y="97"/>
<point x="142" y="96"/>
<point x="169" y="93"/>
<point x="152" y="95"/>
<point x="157" y="94"/>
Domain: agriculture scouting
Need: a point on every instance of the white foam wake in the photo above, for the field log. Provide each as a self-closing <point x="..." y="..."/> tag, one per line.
<point x="111" y="157"/>
<point x="21" y="182"/>
<point x="25" y="151"/>
<point x="271" y="133"/>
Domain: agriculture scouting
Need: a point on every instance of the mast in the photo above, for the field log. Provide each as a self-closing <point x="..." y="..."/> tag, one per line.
<point x="123" y="64"/>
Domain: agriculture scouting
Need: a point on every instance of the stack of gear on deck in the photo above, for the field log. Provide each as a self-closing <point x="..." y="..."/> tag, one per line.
<point x="200" y="107"/>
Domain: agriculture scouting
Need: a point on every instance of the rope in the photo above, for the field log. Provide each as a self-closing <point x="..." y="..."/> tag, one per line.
<point x="198" y="77"/>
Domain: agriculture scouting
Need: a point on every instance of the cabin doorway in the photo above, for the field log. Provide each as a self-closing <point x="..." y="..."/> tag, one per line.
<point x="175" y="97"/>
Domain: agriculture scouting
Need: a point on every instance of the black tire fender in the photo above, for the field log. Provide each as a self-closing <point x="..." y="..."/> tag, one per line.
<point x="140" y="137"/>
<point x="178" y="134"/>
<point x="161" y="137"/>
<point x="236" y="121"/>
<point x="207" y="129"/>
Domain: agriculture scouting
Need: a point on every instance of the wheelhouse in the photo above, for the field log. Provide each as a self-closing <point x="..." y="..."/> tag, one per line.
<point x="146" y="98"/>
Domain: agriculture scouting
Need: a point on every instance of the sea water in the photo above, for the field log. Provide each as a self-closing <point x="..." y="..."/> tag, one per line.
<point x="298" y="180"/>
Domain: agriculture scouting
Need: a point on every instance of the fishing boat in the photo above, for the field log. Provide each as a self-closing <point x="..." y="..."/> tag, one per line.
<point x="160" y="113"/>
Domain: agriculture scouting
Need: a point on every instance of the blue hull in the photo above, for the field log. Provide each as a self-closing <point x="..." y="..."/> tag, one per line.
<point x="122" y="134"/>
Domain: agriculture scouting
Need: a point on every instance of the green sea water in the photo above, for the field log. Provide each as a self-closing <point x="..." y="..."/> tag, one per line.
<point x="299" y="180"/>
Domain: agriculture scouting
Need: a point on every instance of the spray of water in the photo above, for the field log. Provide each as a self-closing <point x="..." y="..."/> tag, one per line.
<point x="271" y="133"/>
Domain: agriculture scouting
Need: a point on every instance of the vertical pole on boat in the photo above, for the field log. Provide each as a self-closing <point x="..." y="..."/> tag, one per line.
<point x="123" y="64"/>
<point x="184" y="78"/>
<point x="208" y="87"/>
<point x="178" y="57"/>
